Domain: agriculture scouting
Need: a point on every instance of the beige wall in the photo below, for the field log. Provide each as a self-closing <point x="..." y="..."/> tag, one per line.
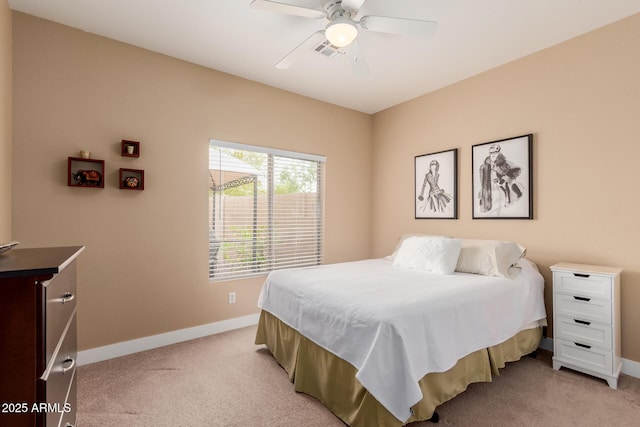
<point x="144" y="270"/>
<point x="581" y="100"/>
<point x="5" y="121"/>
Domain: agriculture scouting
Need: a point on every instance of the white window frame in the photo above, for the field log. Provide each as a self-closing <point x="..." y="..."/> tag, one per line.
<point x="273" y="262"/>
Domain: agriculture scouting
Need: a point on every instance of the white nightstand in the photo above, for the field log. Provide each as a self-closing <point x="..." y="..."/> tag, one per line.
<point x="586" y="320"/>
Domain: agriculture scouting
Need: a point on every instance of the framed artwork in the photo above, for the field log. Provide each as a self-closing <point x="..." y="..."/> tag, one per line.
<point x="436" y="185"/>
<point x="502" y="179"/>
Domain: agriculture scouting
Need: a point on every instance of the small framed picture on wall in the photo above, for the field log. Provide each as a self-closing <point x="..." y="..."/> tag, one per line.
<point x="503" y="179"/>
<point x="436" y="185"/>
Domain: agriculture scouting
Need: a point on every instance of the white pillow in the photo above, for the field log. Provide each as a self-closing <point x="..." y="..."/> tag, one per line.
<point x="405" y="237"/>
<point x="428" y="253"/>
<point x="490" y="257"/>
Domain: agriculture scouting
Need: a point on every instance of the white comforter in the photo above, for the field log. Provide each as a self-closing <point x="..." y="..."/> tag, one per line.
<point x="396" y="325"/>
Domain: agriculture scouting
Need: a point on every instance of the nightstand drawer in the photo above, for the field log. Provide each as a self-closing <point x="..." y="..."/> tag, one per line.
<point x="578" y="354"/>
<point x="586" y="319"/>
<point x="584" y="332"/>
<point x="583" y="284"/>
<point x="577" y="307"/>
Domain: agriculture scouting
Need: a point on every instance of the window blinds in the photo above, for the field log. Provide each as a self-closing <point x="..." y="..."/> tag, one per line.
<point x="266" y="209"/>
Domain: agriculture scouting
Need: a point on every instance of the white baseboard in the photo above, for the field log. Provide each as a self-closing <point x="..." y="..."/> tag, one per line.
<point x="111" y="351"/>
<point x="629" y="367"/>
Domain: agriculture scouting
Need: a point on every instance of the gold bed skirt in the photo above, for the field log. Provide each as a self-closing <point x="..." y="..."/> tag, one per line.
<point x="319" y="373"/>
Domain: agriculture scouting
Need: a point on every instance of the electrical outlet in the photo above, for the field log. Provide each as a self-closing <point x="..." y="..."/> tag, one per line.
<point x="232" y="297"/>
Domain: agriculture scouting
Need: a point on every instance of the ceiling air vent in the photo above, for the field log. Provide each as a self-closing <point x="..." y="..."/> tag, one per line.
<point x="327" y="49"/>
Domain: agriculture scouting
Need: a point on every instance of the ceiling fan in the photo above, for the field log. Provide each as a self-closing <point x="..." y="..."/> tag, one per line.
<point x="340" y="34"/>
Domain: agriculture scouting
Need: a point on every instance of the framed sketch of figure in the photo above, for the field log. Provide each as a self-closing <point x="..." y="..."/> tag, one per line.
<point x="502" y="179"/>
<point x="436" y="185"/>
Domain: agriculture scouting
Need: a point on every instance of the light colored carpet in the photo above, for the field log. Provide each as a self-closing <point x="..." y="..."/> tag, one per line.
<point x="226" y="380"/>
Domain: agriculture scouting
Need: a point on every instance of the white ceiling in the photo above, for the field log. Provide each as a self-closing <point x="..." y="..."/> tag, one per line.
<point x="227" y="35"/>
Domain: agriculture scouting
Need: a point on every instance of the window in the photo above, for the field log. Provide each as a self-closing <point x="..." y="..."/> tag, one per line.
<point x="265" y="208"/>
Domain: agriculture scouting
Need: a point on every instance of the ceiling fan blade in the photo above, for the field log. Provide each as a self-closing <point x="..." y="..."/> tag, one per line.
<point x="352" y="4"/>
<point x="360" y="66"/>
<point x="288" y="7"/>
<point x="295" y="54"/>
<point x="401" y="26"/>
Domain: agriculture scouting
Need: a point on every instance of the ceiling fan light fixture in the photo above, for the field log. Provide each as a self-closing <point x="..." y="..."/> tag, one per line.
<point x="341" y="32"/>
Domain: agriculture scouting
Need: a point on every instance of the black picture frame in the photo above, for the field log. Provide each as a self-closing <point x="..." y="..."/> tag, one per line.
<point x="502" y="174"/>
<point x="436" y="185"/>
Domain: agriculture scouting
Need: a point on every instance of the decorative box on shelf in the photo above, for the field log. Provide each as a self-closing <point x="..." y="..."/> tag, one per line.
<point x="131" y="179"/>
<point x="83" y="172"/>
<point x="130" y="148"/>
<point x="586" y="320"/>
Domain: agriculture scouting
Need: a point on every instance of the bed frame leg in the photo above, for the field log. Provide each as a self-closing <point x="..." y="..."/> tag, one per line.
<point x="533" y="354"/>
<point x="434" y="418"/>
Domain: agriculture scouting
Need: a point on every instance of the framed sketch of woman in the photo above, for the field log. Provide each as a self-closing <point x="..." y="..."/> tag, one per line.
<point x="502" y="179"/>
<point x="436" y="185"/>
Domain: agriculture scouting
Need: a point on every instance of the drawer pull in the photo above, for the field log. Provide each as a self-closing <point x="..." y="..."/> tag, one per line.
<point x="586" y="276"/>
<point x="67" y="297"/>
<point x="68" y="364"/>
<point x="582" y="345"/>
<point x="582" y="322"/>
<point x="69" y="425"/>
<point x="582" y="298"/>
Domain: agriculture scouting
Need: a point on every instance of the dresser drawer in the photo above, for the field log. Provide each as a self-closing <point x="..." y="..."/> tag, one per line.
<point x="583" y="308"/>
<point x="584" y="332"/>
<point x="69" y="417"/>
<point x="59" y="377"/>
<point x="583" y="284"/>
<point x="60" y="294"/>
<point x="593" y="359"/>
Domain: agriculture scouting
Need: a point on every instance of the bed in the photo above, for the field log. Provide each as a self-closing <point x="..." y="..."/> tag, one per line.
<point x="383" y="342"/>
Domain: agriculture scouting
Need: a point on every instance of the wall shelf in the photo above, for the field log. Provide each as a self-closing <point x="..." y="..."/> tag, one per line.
<point x="131" y="179"/>
<point x="87" y="173"/>
<point x="130" y="148"/>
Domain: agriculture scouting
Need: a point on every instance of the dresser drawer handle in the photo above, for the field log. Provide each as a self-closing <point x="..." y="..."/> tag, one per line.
<point x="69" y="425"/>
<point x="582" y="322"/>
<point x="68" y="296"/>
<point x="582" y="345"/>
<point x="586" y="276"/>
<point x="582" y="298"/>
<point x="68" y="364"/>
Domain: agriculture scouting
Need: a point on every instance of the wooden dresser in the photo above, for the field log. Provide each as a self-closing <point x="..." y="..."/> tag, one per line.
<point x="38" y="337"/>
